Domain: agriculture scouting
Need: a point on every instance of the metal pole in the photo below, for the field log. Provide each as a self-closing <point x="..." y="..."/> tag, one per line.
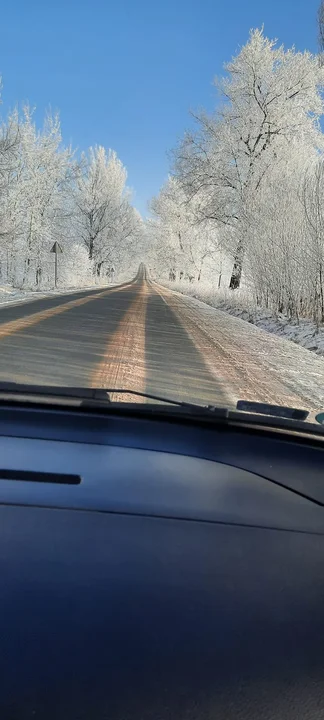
<point x="55" y="269"/>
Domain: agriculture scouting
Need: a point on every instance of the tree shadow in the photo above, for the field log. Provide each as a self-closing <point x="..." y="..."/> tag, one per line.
<point x="175" y="368"/>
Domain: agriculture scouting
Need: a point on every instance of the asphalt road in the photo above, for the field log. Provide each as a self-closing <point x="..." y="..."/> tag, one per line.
<point x="141" y="336"/>
<point x="126" y="336"/>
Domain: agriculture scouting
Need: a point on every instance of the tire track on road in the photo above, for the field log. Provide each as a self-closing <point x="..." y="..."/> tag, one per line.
<point x="245" y="379"/>
<point x="123" y="364"/>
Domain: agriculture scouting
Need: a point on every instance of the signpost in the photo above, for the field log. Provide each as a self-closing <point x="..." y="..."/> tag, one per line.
<point x="57" y="250"/>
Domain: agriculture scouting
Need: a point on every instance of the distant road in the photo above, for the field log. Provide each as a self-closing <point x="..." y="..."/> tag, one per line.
<point x="142" y="336"/>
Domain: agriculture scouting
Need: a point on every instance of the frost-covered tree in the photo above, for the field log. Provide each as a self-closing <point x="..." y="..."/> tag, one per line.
<point x="269" y="98"/>
<point x="46" y="195"/>
<point x="103" y="213"/>
<point x="36" y="198"/>
<point x="320" y="22"/>
<point x="9" y="152"/>
<point x="186" y="244"/>
<point x="312" y="195"/>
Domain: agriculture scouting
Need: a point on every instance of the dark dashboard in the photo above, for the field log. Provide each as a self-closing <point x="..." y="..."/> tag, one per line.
<point x="156" y="567"/>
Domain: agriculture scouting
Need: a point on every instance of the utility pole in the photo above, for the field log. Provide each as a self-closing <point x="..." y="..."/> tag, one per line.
<point x="57" y="250"/>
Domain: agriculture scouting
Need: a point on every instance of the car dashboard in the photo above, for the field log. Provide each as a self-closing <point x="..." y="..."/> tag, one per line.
<point x="157" y="567"/>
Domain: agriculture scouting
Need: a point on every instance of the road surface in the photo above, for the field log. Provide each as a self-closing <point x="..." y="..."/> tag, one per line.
<point x="145" y="337"/>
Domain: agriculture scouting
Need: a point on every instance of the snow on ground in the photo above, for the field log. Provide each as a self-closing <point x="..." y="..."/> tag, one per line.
<point x="240" y="304"/>
<point x="258" y="365"/>
<point x="12" y="296"/>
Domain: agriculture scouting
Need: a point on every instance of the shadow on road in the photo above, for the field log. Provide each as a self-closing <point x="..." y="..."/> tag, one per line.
<point x="175" y="368"/>
<point x="65" y="348"/>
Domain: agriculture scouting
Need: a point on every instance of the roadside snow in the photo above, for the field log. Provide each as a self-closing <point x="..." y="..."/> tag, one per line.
<point x="239" y="304"/>
<point x="15" y="296"/>
<point x="255" y="364"/>
<point x="10" y="295"/>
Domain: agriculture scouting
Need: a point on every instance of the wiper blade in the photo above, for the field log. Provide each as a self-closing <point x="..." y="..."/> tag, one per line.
<point x="100" y="399"/>
<point x="273" y="410"/>
<point x="246" y="411"/>
<point x="12" y="388"/>
<point x="162" y="399"/>
<point x="95" y="395"/>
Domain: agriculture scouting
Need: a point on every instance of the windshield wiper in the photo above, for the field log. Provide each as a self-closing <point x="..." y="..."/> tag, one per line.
<point x="273" y="410"/>
<point x="96" y="395"/>
<point x="246" y="412"/>
<point x="162" y="399"/>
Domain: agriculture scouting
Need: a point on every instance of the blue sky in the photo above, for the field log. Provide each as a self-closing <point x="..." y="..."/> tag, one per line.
<point x="125" y="74"/>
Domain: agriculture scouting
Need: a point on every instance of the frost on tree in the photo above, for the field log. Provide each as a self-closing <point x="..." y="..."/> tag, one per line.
<point x="106" y="220"/>
<point x="34" y="203"/>
<point x="269" y="99"/>
<point x="47" y="196"/>
<point x="184" y="246"/>
<point x="248" y="185"/>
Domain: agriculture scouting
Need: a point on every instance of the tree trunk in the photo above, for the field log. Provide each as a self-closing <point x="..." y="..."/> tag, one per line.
<point x="321" y="291"/>
<point x="26" y="271"/>
<point x="235" y="280"/>
<point x="98" y="268"/>
<point x="91" y="244"/>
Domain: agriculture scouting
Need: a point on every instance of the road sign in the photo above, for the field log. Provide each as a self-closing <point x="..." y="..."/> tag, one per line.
<point x="57" y="250"/>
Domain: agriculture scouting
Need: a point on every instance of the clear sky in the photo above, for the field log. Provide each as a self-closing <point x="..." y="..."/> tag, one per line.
<point x="125" y="73"/>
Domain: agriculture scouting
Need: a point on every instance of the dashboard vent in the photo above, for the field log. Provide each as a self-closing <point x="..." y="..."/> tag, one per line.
<point x="41" y="477"/>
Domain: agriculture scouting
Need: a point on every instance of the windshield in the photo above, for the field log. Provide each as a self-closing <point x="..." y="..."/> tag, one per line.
<point x="163" y="230"/>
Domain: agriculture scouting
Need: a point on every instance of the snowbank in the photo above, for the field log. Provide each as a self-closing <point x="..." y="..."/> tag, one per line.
<point x="13" y="296"/>
<point x="10" y="295"/>
<point x="240" y="304"/>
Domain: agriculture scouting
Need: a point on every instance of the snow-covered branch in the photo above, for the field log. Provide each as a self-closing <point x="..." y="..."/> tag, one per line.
<point x="248" y="183"/>
<point x="48" y="195"/>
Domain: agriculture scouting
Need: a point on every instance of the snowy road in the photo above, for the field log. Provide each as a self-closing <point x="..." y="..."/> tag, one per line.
<point x="145" y="337"/>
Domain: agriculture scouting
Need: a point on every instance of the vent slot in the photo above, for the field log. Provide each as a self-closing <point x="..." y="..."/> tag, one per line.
<point x="41" y="477"/>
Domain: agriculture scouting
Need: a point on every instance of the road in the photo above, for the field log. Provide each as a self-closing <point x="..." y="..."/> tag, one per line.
<point x="145" y="337"/>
